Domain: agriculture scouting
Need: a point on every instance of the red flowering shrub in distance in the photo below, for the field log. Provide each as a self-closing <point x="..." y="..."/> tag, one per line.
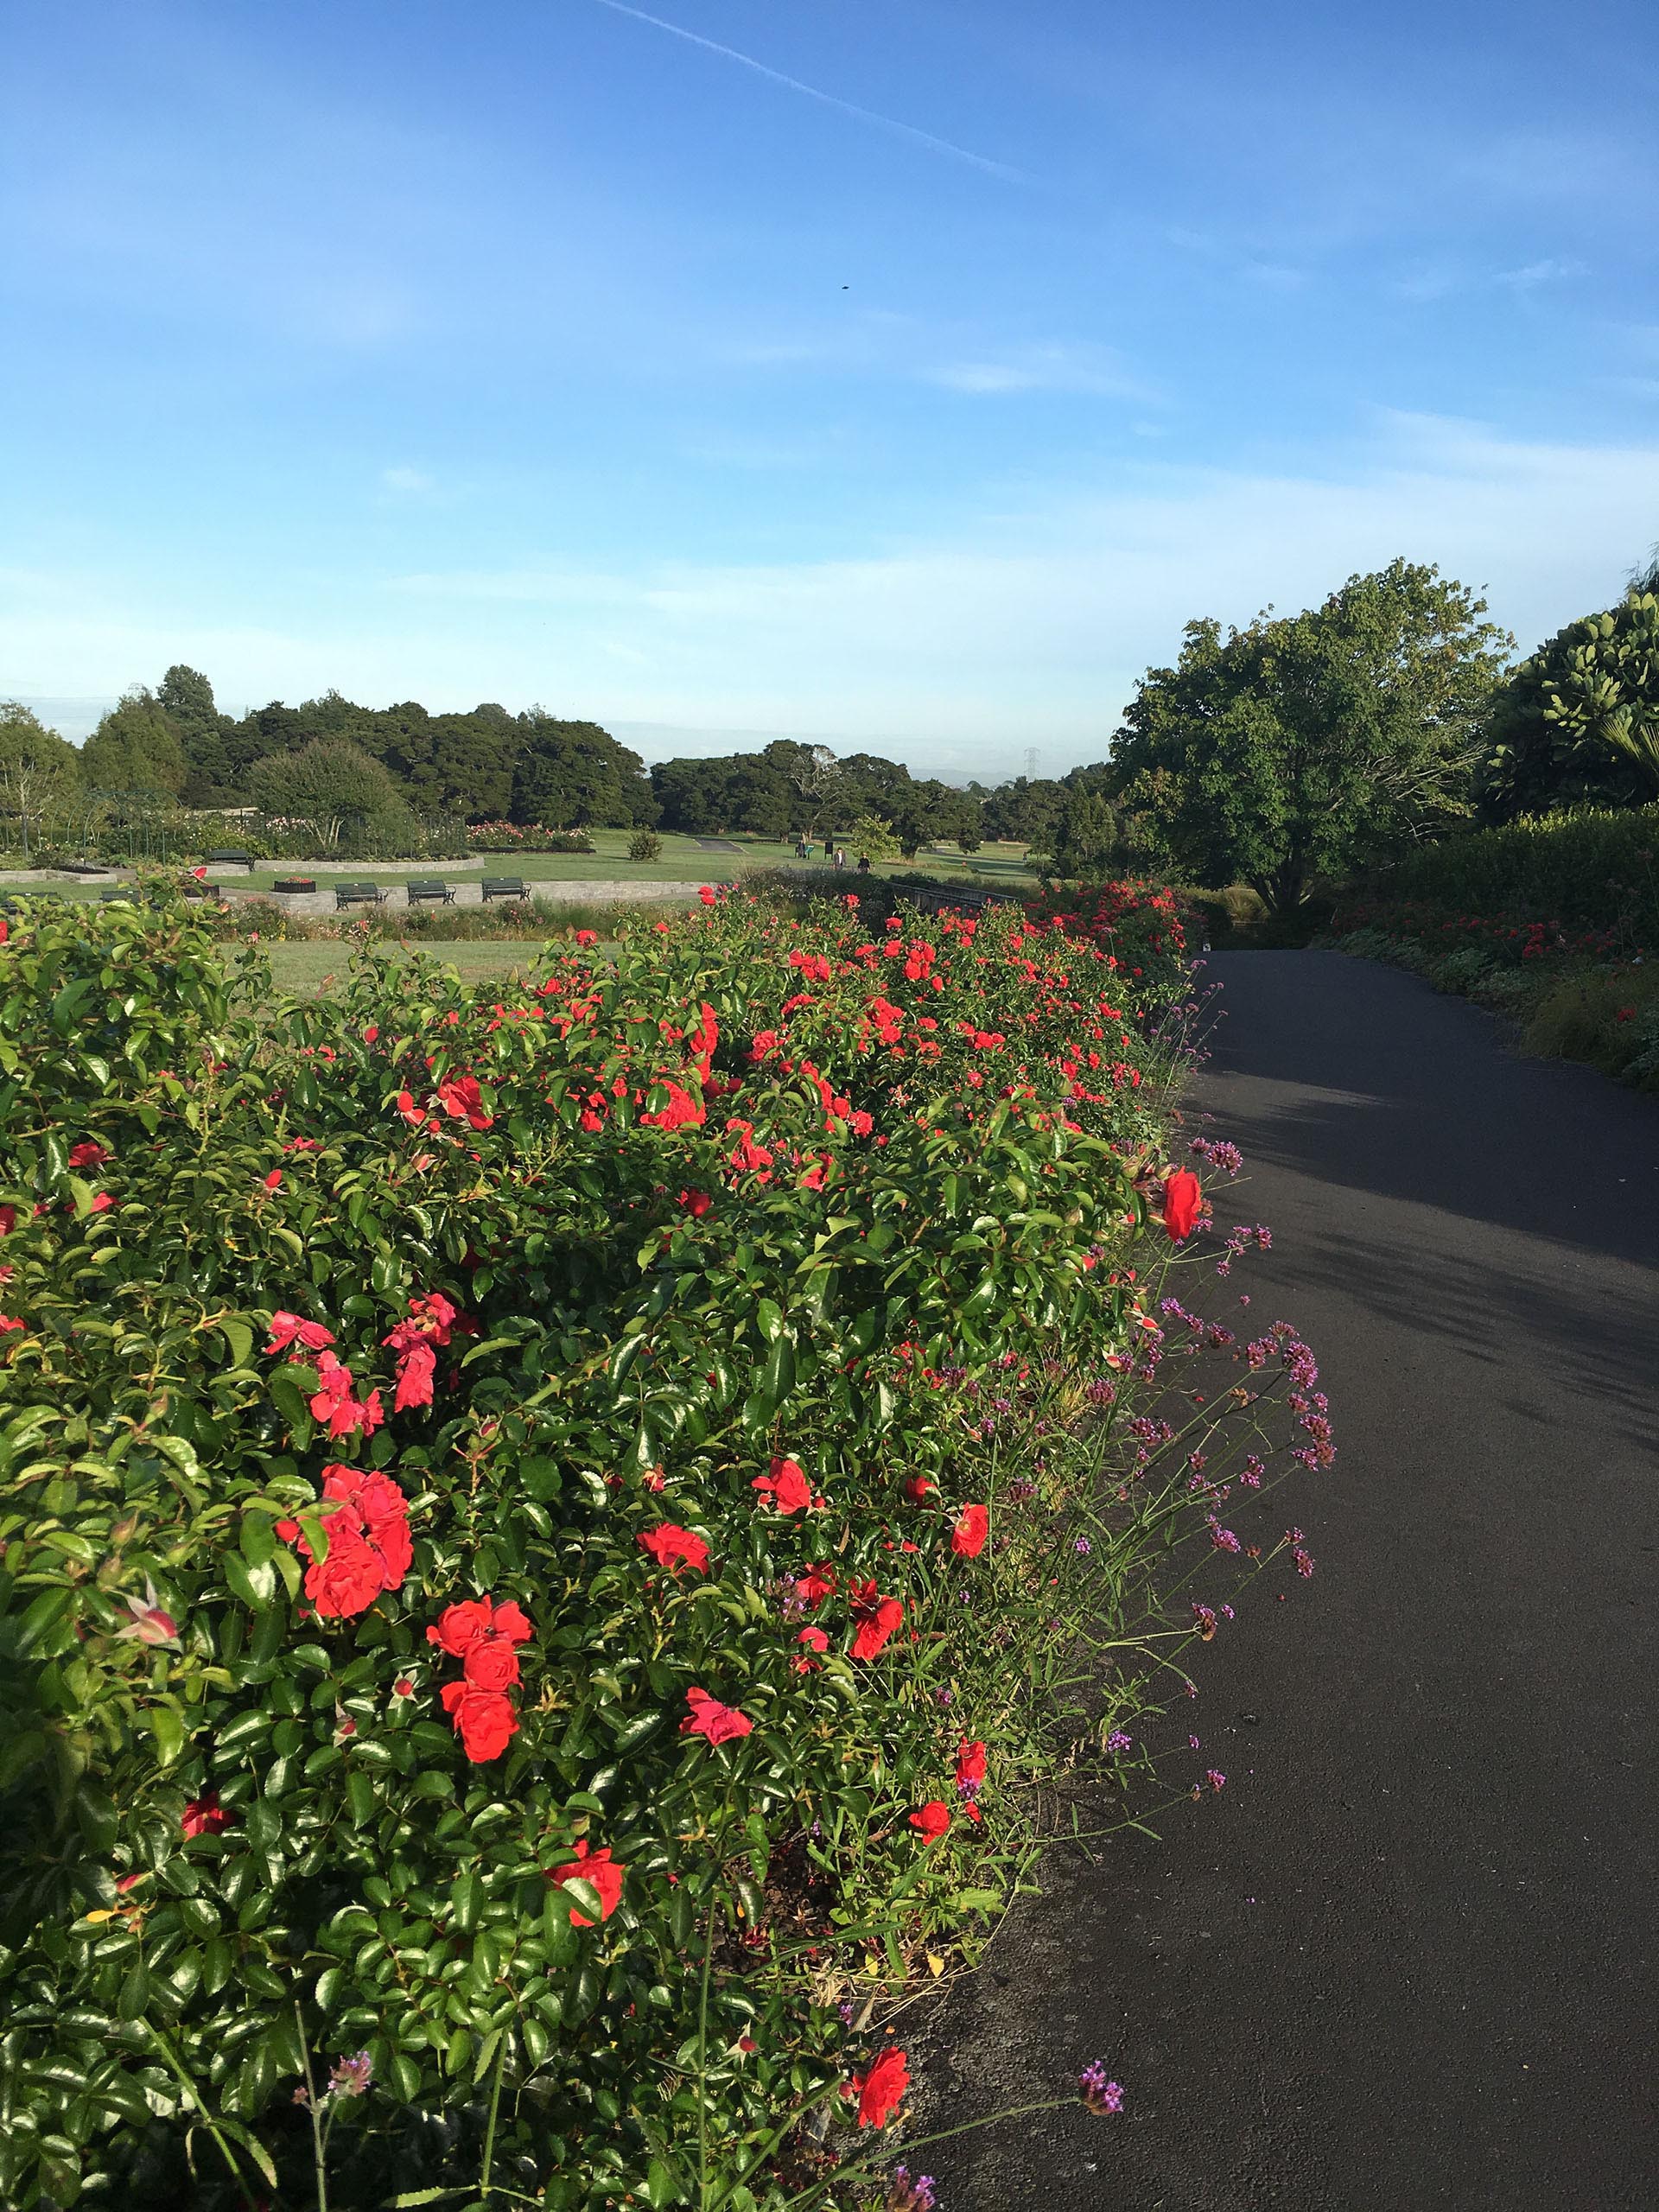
<point x="401" y="1626"/>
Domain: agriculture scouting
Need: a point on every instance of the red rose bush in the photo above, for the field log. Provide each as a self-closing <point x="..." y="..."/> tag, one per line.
<point x="544" y="1603"/>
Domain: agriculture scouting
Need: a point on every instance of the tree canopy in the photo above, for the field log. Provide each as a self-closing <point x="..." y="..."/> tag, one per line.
<point x="327" y="783"/>
<point x="1310" y="743"/>
<point x="39" y="772"/>
<point x="1578" y="722"/>
<point x="136" y="748"/>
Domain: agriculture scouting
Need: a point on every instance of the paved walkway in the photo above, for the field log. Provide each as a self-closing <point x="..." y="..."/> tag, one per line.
<point x="1407" y="1959"/>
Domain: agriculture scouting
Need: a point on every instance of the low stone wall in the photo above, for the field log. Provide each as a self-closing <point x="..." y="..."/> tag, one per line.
<point x="604" y="892"/>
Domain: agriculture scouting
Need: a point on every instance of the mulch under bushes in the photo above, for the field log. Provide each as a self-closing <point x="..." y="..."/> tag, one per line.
<point x="549" y="1528"/>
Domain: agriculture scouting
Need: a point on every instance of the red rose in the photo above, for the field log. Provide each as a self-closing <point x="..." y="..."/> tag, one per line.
<point x="682" y="1111"/>
<point x="968" y="1537"/>
<point x="791" y="1491"/>
<point x="814" y="1638"/>
<point x="597" y="1867"/>
<point x="881" y="2088"/>
<point x="674" y="1548"/>
<point x="288" y="1328"/>
<point x="461" y="1099"/>
<point x="719" y="1723"/>
<point x="461" y="1625"/>
<point x="417" y="1366"/>
<point x="1182" y="1195"/>
<point x="349" y="1580"/>
<point x="369" y="1545"/>
<point x="491" y="1664"/>
<point x="877" y="1618"/>
<point x="970" y="1764"/>
<point x="816" y="1584"/>
<point x="485" y="1720"/>
<point x="933" y="1820"/>
<point x="205" y="1815"/>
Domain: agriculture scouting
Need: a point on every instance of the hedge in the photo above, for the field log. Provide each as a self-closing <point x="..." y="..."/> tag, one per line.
<point x="542" y="1536"/>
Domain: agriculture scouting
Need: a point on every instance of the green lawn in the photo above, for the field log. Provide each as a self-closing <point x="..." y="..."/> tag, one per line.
<point x="683" y="860"/>
<point x="314" y="969"/>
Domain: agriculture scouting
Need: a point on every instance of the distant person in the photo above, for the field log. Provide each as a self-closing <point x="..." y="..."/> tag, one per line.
<point x="840" y="856"/>
<point x="863" y="863"/>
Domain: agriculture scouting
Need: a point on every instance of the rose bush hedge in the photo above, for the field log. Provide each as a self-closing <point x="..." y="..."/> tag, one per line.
<point x="509" y="1565"/>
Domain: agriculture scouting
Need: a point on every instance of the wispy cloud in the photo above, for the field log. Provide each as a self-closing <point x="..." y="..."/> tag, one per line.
<point x="828" y="100"/>
<point x="1040" y="368"/>
<point x="1024" y="623"/>
<point x="1538" y="272"/>
<point x="1443" y="280"/>
<point x="406" y="480"/>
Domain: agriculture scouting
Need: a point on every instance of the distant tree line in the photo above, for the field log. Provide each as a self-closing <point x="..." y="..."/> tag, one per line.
<point x="329" y="758"/>
<point x="1280" y="754"/>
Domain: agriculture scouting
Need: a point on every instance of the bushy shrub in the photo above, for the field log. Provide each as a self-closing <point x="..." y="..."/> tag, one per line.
<point x="510" y="1579"/>
<point x="510" y="837"/>
<point x="644" y="845"/>
<point x="1588" y="870"/>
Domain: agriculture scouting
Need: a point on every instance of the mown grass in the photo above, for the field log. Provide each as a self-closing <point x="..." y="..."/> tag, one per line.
<point x="315" y="969"/>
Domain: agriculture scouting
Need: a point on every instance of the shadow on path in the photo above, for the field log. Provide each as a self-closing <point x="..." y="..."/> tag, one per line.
<point x="1407" y="1959"/>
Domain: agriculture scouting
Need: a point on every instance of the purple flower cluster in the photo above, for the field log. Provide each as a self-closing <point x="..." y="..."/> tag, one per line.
<point x="908" y="2193"/>
<point x="1219" y="1153"/>
<point x="1100" y="2096"/>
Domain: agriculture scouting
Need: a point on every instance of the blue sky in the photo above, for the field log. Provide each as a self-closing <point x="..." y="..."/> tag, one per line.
<point x="462" y="349"/>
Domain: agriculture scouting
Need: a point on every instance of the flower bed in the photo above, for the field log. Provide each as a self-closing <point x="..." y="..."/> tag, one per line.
<point x="511" y="837"/>
<point x="544" y="1536"/>
<point x="1581" y="994"/>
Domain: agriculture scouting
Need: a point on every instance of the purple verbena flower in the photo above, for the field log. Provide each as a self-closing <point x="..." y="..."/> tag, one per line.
<point x="1100" y="2096"/>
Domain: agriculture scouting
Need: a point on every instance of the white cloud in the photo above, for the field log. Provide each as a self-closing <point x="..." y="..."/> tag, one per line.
<point x="1538" y="272"/>
<point x="1027" y="626"/>
<point x="1040" y="368"/>
<point x="406" y="480"/>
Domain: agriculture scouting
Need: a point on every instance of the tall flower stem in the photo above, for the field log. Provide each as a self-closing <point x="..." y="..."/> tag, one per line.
<point x="495" y="2108"/>
<point x="319" y="2157"/>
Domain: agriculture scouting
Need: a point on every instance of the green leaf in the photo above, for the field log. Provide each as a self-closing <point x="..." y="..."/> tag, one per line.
<point x="168" y="1730"/>
<point x="239" y="1337"/>
<point x="257" y="1537"/>
<point x="255" y="1586"/>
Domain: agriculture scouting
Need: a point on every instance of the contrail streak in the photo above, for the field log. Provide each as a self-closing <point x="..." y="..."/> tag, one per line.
<point x="828" y="99"/>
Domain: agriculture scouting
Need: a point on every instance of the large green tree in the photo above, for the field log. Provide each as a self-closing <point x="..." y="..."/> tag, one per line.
<point x="1305" y="745"/>
<point x="39" y="772"/>
<point x="1085" y="841"/>
<point x="136" y="748"/>
<point x="186" y="697"/>
<point x="1025" y="811"/>
<point x="574" y="775"/>
<point x="331" y="784"/>
<point x="1579" y="720"/>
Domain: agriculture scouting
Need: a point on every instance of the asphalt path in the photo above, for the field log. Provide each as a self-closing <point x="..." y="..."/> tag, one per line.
<point x="1406" y="1958"/>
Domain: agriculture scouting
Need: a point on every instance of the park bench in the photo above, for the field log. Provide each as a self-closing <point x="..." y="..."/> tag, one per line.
<point x="359" y="894"/>
<point x="109" y="890"/>
<point x="505" y="887"/>
<point x="229" y="857"/>
<point x="430" y="887"/>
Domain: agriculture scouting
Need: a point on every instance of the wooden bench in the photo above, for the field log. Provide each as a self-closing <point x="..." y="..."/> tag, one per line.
<point x="231" y="859"/>
<point x="359" y="894"/>
<point x="109" y="890"/>
<point x="504" y="886"/>
<point x="430" y="888"/>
